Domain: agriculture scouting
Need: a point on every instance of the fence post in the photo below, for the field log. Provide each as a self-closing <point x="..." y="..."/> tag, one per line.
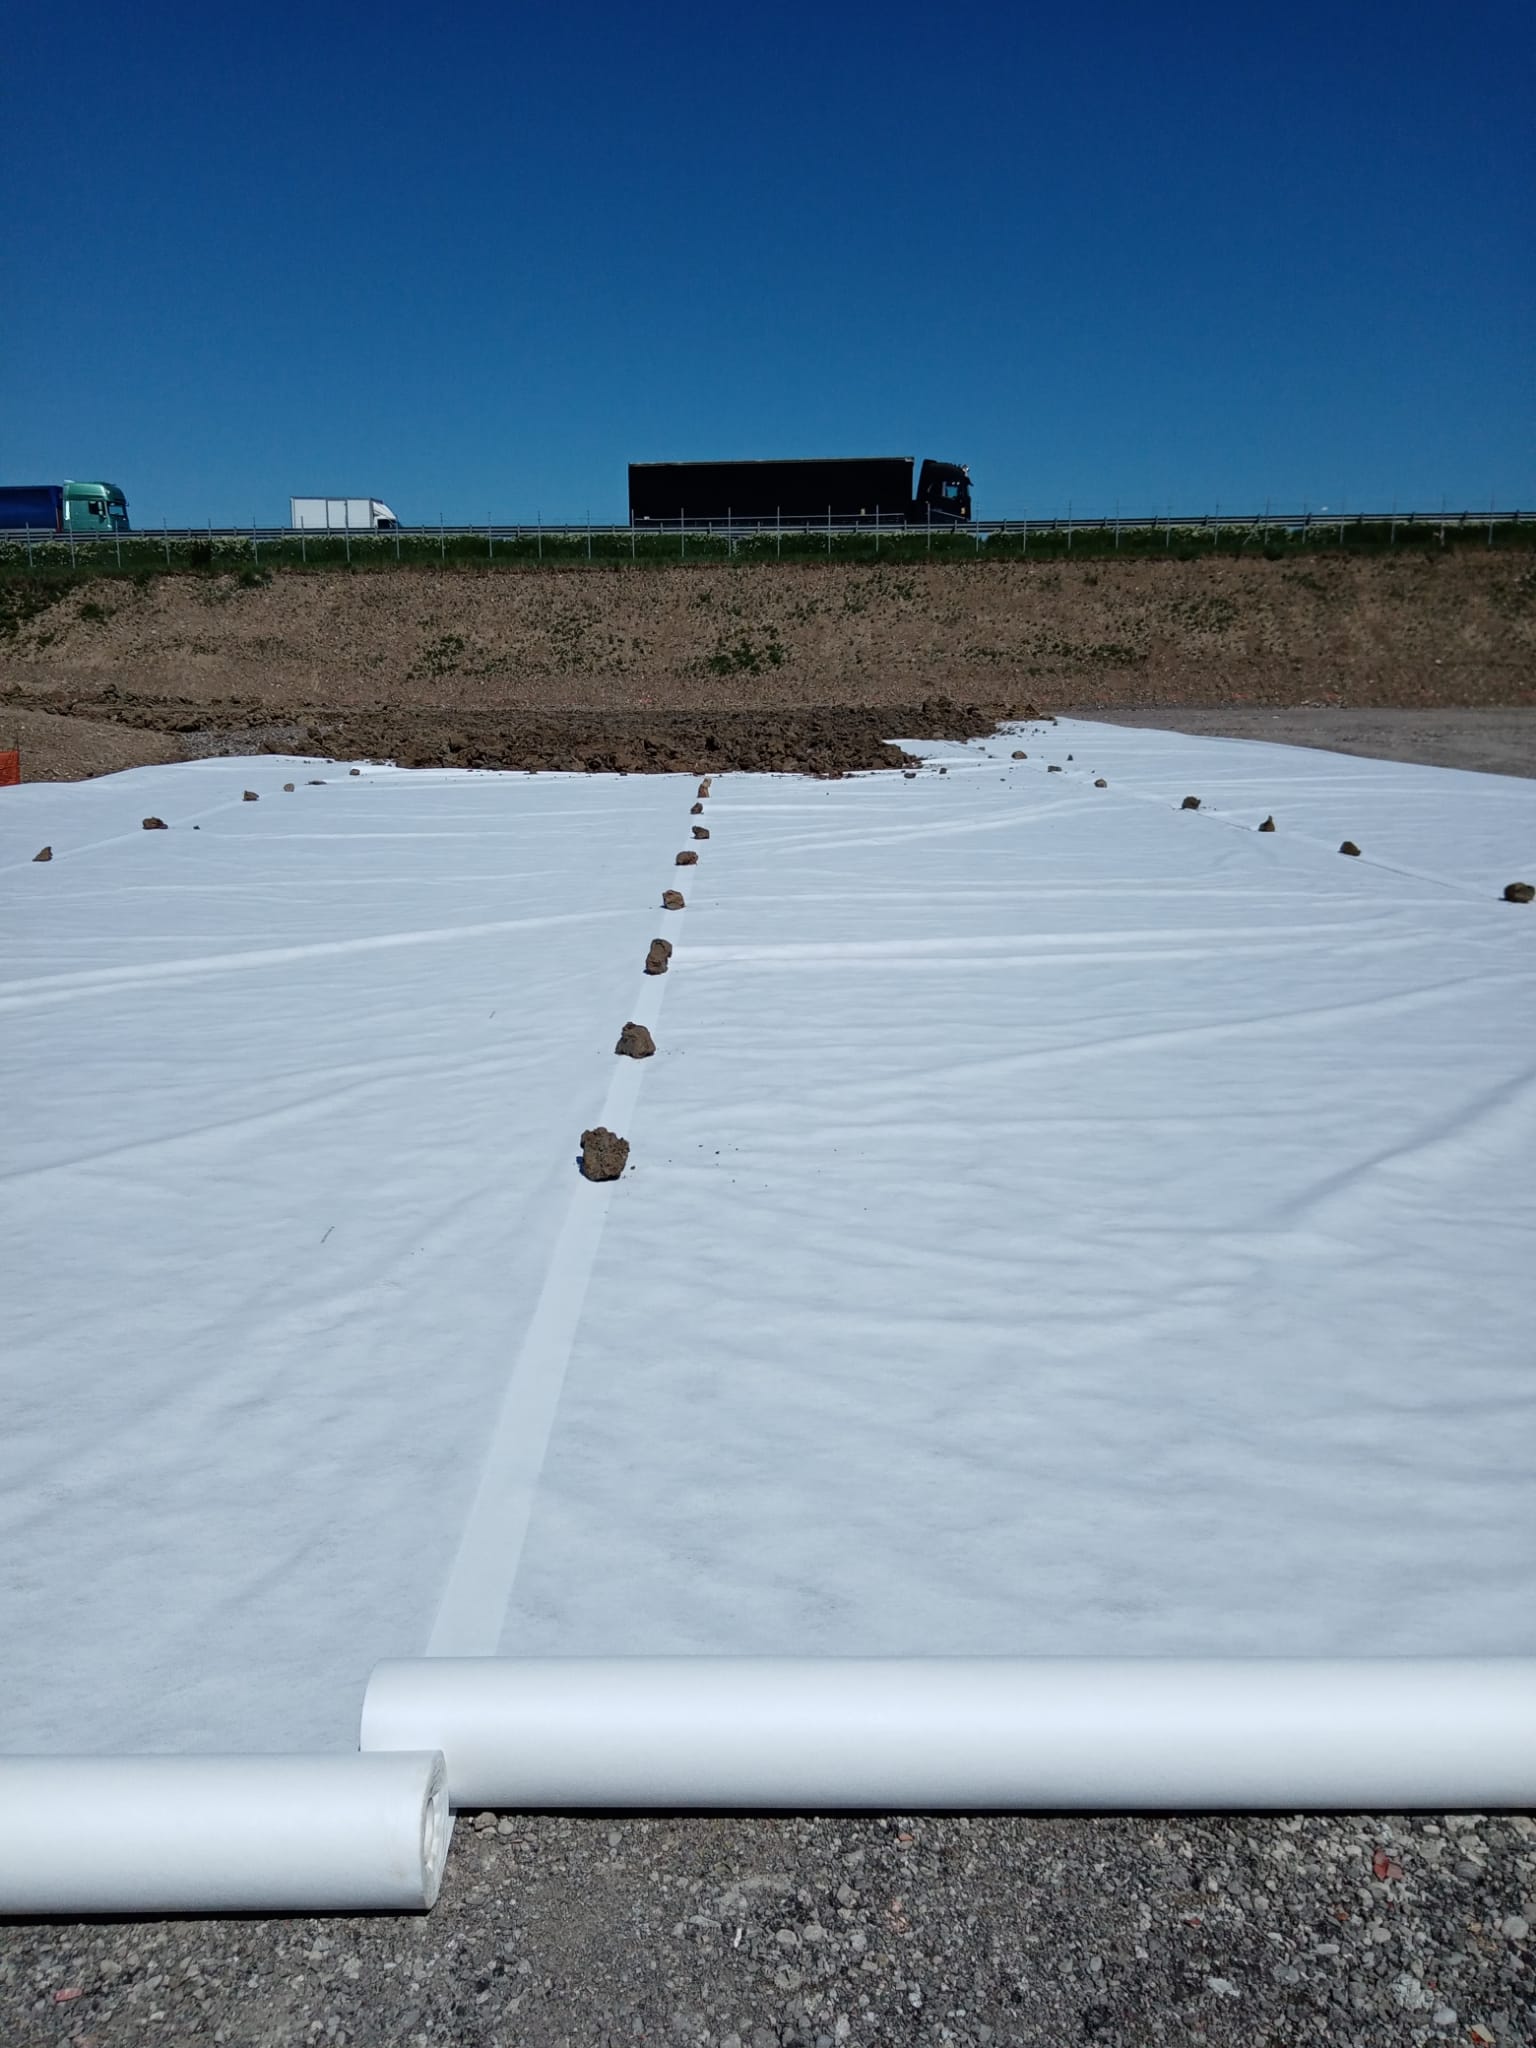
<point x="490" y="545"/>
<point x="117" y="542"/>
<point x="829" y="533"/>
<point x="29" y="547"/>
<point x="165" y="535"/>
<point x="631" y="533"/>
<point x="682" y="536"/>
<point x="877" y="529"/>
<point x="778" y="528"/>
<point x="538" y="532"/>
<point x="1024" y="550"/>
<point x="397" y="543"/>
<point x="589" y="533"/>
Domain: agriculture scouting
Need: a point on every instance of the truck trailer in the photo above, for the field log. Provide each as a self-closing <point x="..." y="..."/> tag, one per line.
<point x="368" y="515"/>
<point x="64" y="508"/>
<point x="835" y="490"/>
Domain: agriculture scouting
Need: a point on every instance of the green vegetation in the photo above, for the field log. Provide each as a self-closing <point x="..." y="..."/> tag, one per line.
<point x="34" y="576"/>
<point x="24" y="598"/>
<point x="746" y="656"/>
<point x="1210" y="539"/>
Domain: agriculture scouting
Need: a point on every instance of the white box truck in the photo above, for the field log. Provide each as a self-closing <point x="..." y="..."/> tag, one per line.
<point x="365" y="515"/>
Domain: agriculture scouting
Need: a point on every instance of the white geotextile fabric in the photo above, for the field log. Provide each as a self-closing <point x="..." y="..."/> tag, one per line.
<point x="1059" y="1223"/>
<point x="911" y="1734"/>
<point x="223" y="1834"/>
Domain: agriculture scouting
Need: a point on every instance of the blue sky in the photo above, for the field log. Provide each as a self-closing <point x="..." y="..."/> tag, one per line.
<point x="474" y="259"/>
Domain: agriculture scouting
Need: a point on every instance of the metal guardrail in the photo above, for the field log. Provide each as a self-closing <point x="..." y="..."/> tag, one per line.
<point x="1170" y="526"/>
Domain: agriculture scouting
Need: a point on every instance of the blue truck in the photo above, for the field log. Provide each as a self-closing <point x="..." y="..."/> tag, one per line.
<point x="64" y="508"/>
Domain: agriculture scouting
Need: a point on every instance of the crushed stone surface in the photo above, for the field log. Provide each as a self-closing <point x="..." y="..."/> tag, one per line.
<point x="795" y="1932"/>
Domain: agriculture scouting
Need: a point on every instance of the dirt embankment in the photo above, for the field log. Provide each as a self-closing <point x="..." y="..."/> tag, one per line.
<point x="762" y="667"/>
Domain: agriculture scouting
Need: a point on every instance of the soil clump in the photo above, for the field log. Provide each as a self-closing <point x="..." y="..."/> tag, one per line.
<point x="604" y="1154"/>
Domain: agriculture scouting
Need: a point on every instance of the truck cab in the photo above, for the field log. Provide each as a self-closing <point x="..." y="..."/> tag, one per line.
<point x="94" y="508"/>
<point x="943" y="493"/>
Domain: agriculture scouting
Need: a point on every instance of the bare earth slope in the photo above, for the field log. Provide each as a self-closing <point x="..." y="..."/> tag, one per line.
<point x="755" y="667"/>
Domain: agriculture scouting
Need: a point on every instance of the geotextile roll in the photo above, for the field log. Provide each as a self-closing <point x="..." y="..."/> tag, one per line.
<point x="1003" y="1733"/>
<point x="222" y="1834"/>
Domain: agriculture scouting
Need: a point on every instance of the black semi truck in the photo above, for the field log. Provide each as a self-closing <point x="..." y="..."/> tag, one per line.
<point x="836" y="491"/>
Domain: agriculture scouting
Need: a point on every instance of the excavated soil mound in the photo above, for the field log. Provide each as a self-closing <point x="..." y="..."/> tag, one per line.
<point x="809" y="740"/>
<point x="819" y="740"/>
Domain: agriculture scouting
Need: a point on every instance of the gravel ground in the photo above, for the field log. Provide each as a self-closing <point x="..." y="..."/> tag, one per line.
<point x="1364" y="1931"/>
<point x="798" y="1932"/>
<point x="1496" y="741"/>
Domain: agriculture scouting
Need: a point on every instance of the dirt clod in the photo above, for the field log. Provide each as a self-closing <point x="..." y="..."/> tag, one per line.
<point x="687" y="860"/>
<point x="317" y="782"/>
<point x="156" y="825"/>
<point x="604" y="1155"/>
<point x="1019" y="754"/>
<point x="696" y="811"/>
<point x="635" y="1042"/>
<point x="1349" y="846"/>
<point x="250" y="797"/>
<point x="47" y="854"/>
<point x="288" y="787"/>
<point x="672" y="899"/>
<point x="659" y="953"/>
<point x="1099" y="782"/>
<point x="1514" y="892"/>
<point x="354" y="771"/>
<point x="1053" y="769"/>
<point x="1268" y="825"/>
<point x="1190" y="803"/>
<point x="701" y="831"/>
<point x="704" y="785"/>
